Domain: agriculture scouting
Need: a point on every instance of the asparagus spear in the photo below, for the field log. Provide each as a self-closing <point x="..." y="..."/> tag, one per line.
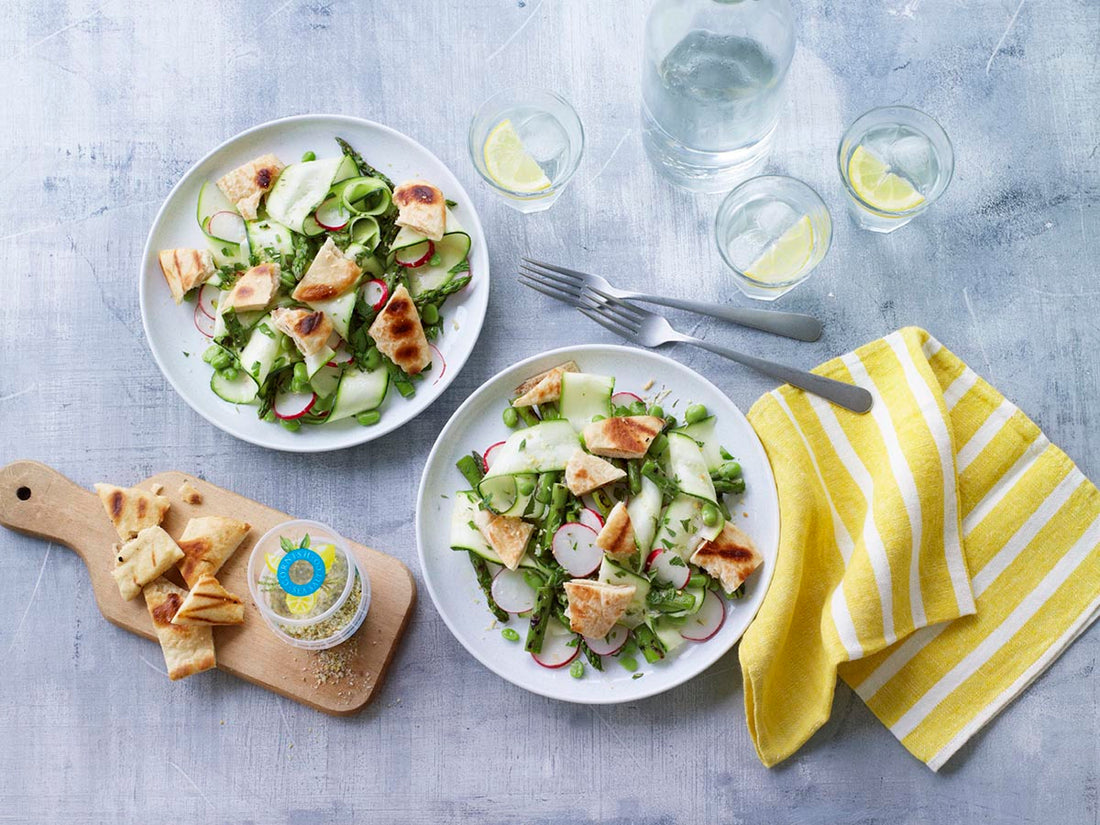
<point x="365" y="168"/>
<point x="555" y="517"/>
<point x="472" y="468"/>
<point x="485" y="579"/>
<point x="594" y="659"/>
<point x="634" y="477"/>
<point x="545" y="599"/>
<point x="430" y="296"/>
<point x="528" y="416"/>
<point x="649" y="644"/>
<point x="668" y="600"/>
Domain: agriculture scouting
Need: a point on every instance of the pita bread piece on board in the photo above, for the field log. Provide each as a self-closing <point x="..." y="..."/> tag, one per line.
<point x="131" y="510"/>
<point x="595" y="607"/>
<point x="185" y="269"/>
<point x="730" y="557"/>
<point x="616" y="538"/>
<point x="209" y="603"/>
<point x="144" y="559"/>
<point x="544" y="387"/>
<point x="585" y="473"/>
<point x="421" y="208"/>
<point x="507" y="535"/>
<point x="187" y="650"/>
<point x="246" y="184"/>
<point x="399" y="334"/>
<point x="622" y="437"/>
<point x="207" y="543"/>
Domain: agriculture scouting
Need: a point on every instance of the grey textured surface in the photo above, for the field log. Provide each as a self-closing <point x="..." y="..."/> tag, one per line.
<point x="106" y="104"/>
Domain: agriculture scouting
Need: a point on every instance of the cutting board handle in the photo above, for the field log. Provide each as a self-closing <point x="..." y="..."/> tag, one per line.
<point x="38" y="500"/>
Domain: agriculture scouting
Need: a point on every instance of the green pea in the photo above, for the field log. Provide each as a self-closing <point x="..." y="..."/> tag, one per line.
<point x="293" y="425"/>
<point x="299" y="386"/>
<point x="374" y="358"/>
<point x="628" y="663"/>
<point x="430" y="314"/>
<point x="711" y="516"/>
<point x="369" y="417"/>
<point x="510" y="416"/>
<point x="576" y="670"/>
<point x="525" y="487"/>
<point x="657" y="411"/>
<point x="210" y="352"/>
<point x="637" y="408"/>
<point x="301" y="372"/>
<point x="670" y="423"/>
<point x="699" y="580"/>
<point x="269" y="415"/>
<point x="221" y="360"/>
<point x="308" y="156"/>
<point x="510" y="634"/>
<point x="730" y="470"/>
<point x="695" y="413"/>
<point x="230" y="373"/>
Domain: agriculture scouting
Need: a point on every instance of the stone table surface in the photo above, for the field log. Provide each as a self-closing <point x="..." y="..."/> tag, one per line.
<point x="106" y="104"/>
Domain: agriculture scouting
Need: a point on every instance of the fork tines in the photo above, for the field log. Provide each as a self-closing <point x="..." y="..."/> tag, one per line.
<point x="563" y="288"/>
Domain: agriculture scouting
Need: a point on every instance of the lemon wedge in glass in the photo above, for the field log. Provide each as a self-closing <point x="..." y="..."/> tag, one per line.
<point x="508" y="162"/>
<point x="873" y="181"/>
<point x="786" y="258"/>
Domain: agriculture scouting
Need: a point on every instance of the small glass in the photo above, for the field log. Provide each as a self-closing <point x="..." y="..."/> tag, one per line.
<point x="551" y="134"/>
<point x="772" y="231"/>
<point x="904" y="163"/>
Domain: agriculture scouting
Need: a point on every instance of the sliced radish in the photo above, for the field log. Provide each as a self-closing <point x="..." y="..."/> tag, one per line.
<point x="376" y="293"/>
<point x="332" y="214"/>
<point x="203" y="322"/>
<point x="574" y="546"/>
<point x="590" y="518"/>
<point x="291" y="405"/>
<point x="226" y="226"/>
<point x="487" y="456"/>
<point x="625" y="399"/>
<point x="411" y="258"/>
<point x="207" y="296"/>
<point x="668" y="568"/>
<point x="341" y="357"/>
<point x="511" y="591"/>
<point x="708" y="621"/>
<point x="556" y="651"/>
<point x="442" y="361"/>
<point x="610" y="644"/>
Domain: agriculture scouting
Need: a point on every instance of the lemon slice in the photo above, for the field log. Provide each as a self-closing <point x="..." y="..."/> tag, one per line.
<point x="328" y="556"/>
<point x="784" y="259"/>
<point x="878" y="186"/>
<point x="300" y="604"/>
<point x="509" y="164"/>
<point x="272" y="561"/>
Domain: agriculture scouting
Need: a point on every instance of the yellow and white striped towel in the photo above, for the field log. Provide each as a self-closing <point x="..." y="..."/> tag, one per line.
<point x="938" y="554"/>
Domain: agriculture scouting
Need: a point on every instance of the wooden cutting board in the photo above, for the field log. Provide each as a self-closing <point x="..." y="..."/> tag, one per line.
<point x="37" y="500"/>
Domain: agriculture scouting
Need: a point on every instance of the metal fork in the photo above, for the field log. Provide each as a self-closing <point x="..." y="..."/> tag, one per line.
<point x="788" y="324"/>
<point x="641" y="327"/>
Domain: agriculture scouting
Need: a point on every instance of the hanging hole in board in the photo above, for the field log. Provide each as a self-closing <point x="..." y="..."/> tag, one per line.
<point x="23" y="493"/>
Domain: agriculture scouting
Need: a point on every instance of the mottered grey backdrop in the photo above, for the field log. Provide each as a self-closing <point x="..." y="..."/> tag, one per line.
<point x="106" y="104"/>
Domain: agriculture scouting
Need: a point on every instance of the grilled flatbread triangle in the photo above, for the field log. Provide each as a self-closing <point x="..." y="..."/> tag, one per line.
<point x="616" y="538"/>
<point x="622" y="437"/>
<point x="399" y="334"/>
<point x="421" y="207"/>
<point x="507" y="535"/>
<point x="331" y="274"/>
<point x="595" y="607"/>
<point x="209" y="603"/>
<point x="585" y="473"/>
<point x="207" y="543"/>
<point x="143" y="559"/>
<point x="131" y="510"/>
<point x="187" y="650"/>
<point x="544" y="387"/>
<point x="730" y="557"/>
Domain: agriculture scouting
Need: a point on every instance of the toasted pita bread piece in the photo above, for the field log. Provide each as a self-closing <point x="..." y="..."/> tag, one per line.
<point x="584" y="473"/>
<point x="189" y="493"/>
<point x="187" y="650"/>
<point x="623" y="436"/>
<point x="616" y="538"/>
<point x="330" y="274"/>
<point x="207" y="543"/>
<point x="209" y="603"/>
<point x="507" y="535"/>
<point x="255" y="289"/>
<point x="131" y="510"/>
<point x="399" y="335"/>
<point x="185" y="269"/>
<point x="143" y="559"/>
<point x="245" y="185"/>
<point x="730" y="557"/>
<point x="544" y="387"/>
<point x="595" y="607"/>
<point x="310" y="330"/>
<point x="421" y="207"/>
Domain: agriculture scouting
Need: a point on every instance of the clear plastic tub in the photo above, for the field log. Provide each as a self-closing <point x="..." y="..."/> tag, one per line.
<point x="310" y="589"/>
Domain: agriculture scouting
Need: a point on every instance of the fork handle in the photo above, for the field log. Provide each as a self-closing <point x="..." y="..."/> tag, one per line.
<point x="788" y="324"/>
<point x="848" y="396"/>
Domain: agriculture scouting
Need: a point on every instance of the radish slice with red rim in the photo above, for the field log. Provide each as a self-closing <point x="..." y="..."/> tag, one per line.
<point x="416" y="255"/>
<point x="625" y="399"/>
<point x="203" y="322"/>
<point x="376" y="294"/>
<point x="557" y="650"/>
<point x="207" y="296"/>
<point x="707" y="621"/>
<point x="226" y="226"/>
<point x="610" y="644"/>
<point x="341" y="357"/>
<point x="668" y="568"/>
<point x="511" y="591"/>
<point x="291" y="405"/>
<point x="332" y="214"/>
<point x="442" y="363"/>
<point x="574" y="547"/>
<point x="487" y="456"/>
<point x="590" y="518"/>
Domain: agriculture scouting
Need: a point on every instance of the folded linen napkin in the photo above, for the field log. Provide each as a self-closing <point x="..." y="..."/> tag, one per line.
<point x="938" y="553"/>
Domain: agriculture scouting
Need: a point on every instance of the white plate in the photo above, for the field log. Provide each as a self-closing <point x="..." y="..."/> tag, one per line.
<point x="170" y="329"/>
<point x="450" y="577"/>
